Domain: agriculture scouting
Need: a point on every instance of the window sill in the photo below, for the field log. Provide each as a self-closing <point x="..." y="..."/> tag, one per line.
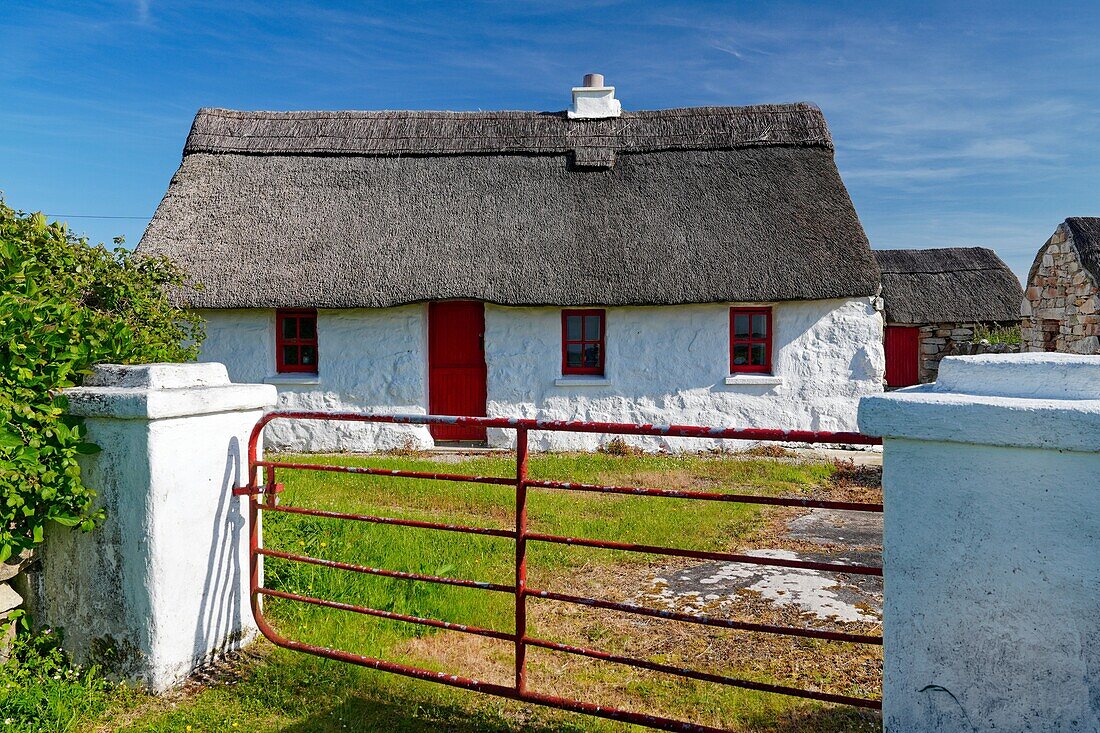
<point x="754" y="379"/>
<point x="293" y="379"/>
<point x="582" y="380"/>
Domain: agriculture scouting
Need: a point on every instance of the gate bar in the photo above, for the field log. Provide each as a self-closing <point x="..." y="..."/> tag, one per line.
<point x="503" y="481"/>
<point x="709" y="496"/>
<point x="706" y="555"/>
<point x="706" y="620"/>
<point x="391" y="615"/>
<point x="390" y="520"/>
<point x="521" y="560"/>
<point x="674" y="431"/>
<point x="398" y="574"/>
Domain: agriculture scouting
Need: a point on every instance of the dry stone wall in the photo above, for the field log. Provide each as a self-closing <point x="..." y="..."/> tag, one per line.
<point x="1061" y="307"/>
<point x="938" y="340"/>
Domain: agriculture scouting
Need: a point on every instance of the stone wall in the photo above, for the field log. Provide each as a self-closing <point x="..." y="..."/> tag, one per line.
<point x="938" y="340"/>
<point x="1061" y="307"/>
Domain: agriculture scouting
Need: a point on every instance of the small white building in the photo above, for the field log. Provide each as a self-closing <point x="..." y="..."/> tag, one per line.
<point x="689" y="266"/>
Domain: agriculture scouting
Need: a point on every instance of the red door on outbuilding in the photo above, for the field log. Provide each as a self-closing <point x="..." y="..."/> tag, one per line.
<point x="456" y="366"/>
<point x="902" y="356"/>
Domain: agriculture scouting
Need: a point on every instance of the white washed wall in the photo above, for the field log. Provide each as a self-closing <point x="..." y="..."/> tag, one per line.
<point x="370" y="360"/>
<point x="664" y="365"/>
<point x="669" y="365"/>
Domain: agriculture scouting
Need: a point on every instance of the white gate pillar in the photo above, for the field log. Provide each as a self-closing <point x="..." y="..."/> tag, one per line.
<point x="992" y="545"/>
<point x="163" y="584"/>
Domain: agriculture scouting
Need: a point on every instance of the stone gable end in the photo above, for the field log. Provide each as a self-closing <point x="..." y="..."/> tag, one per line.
<point x="1061" y="307"/>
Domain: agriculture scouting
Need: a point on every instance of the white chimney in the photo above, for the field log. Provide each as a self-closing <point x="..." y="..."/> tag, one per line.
<point x="594" y="100"/>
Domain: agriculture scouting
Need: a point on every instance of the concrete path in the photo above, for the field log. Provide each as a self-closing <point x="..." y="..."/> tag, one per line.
<point x="844" y="537"/>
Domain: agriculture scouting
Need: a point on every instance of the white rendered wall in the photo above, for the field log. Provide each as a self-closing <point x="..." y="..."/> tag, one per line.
<point x="665" y="364"/>
<point x="669" y="364"/>
<point x="371" y="360"/>
<point x="992" y="548"/>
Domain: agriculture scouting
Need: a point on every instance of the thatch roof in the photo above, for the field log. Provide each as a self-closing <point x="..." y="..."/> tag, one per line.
<point x="951" y="285"/>
<point x="363" y="209"/>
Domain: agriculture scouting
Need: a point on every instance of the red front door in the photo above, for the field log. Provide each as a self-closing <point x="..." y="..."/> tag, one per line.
<point x="456" y="366"/>
<point x="902" y="355"/>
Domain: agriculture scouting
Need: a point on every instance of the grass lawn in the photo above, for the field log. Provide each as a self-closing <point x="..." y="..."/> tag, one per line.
<point x="269" y="689"/>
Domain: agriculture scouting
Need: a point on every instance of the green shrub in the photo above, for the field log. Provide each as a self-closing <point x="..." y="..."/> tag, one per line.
<point x="998" y="334"/>
<point x="66" y="305"/>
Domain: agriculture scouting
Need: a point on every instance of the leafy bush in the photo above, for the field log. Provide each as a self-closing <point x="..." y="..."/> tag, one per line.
<point x="998" y="334"/>
<point x="66" y="305"/>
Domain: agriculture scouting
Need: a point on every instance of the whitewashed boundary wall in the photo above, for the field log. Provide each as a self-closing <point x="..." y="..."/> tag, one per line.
<point x="162" y="586"/>
<point x="992" y="545"/>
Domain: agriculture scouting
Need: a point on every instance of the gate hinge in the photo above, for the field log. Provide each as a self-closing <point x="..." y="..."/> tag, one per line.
<point x="257" y="490"/>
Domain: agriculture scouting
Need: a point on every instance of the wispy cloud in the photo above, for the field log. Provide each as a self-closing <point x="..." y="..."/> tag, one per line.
<point x="953" y="122"/>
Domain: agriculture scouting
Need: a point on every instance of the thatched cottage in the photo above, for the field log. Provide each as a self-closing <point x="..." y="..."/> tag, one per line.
<point x="935" y="300"/>
<point x="699" y="266"/>
<point x="1061" y="310"/>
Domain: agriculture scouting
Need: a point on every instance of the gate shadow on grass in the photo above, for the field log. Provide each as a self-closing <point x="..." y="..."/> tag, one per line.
<point x="406" y="712"/>
<point x="420" y="715"/>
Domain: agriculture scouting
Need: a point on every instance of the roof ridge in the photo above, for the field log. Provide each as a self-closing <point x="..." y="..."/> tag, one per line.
<point x="664" y="111"/>
<point x="428" y="132"/>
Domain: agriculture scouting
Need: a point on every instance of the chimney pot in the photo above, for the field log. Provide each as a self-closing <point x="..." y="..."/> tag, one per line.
<point x="593" y="80"/>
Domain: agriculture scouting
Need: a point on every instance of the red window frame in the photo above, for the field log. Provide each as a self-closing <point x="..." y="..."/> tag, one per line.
<point x="298" y="315"/>
<point x="735" y="340"/>
<point x="584" y="340"/>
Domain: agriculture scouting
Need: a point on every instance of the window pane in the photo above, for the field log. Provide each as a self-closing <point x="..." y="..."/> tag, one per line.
<point x="740" y="354"/>
<point x="309" y="355"/>
<point x="741" y="326"/>
<point x="591" y="355"/>
<point x="290" y="328"/>
<point x="573" y="355"/>
<point x="573" y="328"/>
<point x="759" y="355"/>
<point x="307" y="328"/>
<point x="759" y="326"/>
<point x="290" y="355"/>
<point x="592" y="327"/>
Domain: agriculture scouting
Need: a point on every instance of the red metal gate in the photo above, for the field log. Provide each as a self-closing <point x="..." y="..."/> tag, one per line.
<point x="263" y="492"/>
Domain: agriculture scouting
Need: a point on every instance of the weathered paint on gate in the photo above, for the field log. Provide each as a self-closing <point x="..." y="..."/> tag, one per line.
<point x="263" y="494"/>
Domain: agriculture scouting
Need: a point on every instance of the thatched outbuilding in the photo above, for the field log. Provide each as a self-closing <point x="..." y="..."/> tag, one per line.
<point x="935" y="299"/>
<point x="700" y="265"/>
<point x="1061" y="310"/>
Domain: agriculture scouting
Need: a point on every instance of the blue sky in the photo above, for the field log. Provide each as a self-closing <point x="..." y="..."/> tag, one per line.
<point x="955" y="123"/>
